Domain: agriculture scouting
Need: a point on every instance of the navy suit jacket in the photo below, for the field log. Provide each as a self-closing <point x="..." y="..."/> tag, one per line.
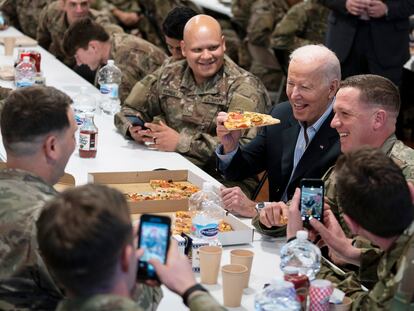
<point x="390" y="34"/>
<point x="273" y="150"/>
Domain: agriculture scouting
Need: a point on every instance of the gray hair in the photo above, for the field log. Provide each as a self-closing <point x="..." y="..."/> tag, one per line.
<point x="330" y="66"/>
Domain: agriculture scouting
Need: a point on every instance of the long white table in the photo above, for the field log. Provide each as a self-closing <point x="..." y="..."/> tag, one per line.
<point x="118" y="154"/>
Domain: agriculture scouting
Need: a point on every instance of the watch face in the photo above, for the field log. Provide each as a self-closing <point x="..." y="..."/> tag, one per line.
<point x="260" y="205"/>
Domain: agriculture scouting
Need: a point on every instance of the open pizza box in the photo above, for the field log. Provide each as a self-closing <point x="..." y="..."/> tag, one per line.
<point x="130" y="182"/>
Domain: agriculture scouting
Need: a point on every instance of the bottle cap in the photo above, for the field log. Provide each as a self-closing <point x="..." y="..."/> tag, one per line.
<point x="302" y="235"/>
<point x="291" y="270"/>
<point x="110" y="62"/>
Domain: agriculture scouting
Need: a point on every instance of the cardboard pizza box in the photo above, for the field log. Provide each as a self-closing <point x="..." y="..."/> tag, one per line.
<point x="130" y="182"/>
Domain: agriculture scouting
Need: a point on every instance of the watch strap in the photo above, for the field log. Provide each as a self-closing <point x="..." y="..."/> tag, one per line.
<point x="192" y="289"/>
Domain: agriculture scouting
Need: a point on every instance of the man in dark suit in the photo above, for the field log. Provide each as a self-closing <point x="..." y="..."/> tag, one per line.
<point x="370" y="36"/>
<point x="303" y="145"/>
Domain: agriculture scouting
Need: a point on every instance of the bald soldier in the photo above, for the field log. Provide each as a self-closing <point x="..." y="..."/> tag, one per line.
<point x="91" y="45"/>
<point x="180" y="102"/>
<point x="56" y="18"/>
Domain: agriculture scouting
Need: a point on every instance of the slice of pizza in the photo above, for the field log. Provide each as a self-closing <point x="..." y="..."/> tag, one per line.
<point x="243" y="120"/>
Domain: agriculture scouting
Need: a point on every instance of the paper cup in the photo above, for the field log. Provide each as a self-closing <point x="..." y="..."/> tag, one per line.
<point x="319" y="293"/>
<point x="344" y="306"/>
<point x="243" y="257"/>
<point x="9" y="43"/>
<point x="233" y="277"/>
<point x="210" y="257"/>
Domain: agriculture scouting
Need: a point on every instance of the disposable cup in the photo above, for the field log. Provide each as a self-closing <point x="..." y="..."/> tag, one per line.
<point x="9" y="43"/>
<point x="344" y="306"/>
<point x="243" y="257"/>
<point x="210" y="257"/>
<point x="233" y="277"/>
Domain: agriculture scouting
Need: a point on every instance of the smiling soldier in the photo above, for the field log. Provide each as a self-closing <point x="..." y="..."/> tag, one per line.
<point x="185" y="97"/>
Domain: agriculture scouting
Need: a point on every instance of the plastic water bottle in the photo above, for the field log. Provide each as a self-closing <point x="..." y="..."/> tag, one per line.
<point x="301" y="254"/>
<point x="206" y="206"/>
<point x="83" y="103"/>
<point x="24" y="73"/>
<point x="109" y="78"/>
<point x="278" y="296"/>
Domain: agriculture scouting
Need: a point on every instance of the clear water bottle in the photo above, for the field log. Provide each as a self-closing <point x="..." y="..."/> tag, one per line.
<point x="109" y="78"/>
<point x="206" y="207"/>
<point x="301" y="254"/>
<point x="24" y="73"/>
<point x="83" y="103"/>
<point x="279" y="295"/>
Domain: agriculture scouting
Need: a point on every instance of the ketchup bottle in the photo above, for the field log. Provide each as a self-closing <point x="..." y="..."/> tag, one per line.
<point x="88" y="137"/>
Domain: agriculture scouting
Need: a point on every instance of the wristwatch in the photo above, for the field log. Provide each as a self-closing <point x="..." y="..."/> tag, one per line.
<point x="258" y="207"/>
<point x="192" y="289"/>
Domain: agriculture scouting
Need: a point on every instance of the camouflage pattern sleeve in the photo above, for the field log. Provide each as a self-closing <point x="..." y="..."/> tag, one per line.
<point x="403" y="156"/>
<point x="43" y="35"/>
<point x="142" y="100"/>
<point x="136" y="58"/>
<point x="276" y="232"/>
<point x="146" y="297"/>
<point x="304" y="23"/>
<point x="4" y="92"/>
<point x="202" y="301"/>
<point x="265" y="14"/>
<point x="241" y="12"/>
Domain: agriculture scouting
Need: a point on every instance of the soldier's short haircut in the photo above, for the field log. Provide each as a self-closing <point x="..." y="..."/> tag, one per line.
<point x="80" y="33"/>
<point x="174" y="23"/>
<point x="31" y="113"/>
<point x="330" y="66"/>
<point x="375" y="91"/>
<point x="81" y="235"/>
<point x="372" y="191"/>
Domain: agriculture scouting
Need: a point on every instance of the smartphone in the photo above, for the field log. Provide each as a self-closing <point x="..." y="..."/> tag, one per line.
<point x="135" y="121"/>
<point x="154" y="237"/>
<point x="311" y="199"/>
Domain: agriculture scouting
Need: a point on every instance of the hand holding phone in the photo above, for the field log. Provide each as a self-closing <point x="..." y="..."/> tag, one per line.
<point x="311" y="200"/>
<point x="154" y="237"/>
<point x="136" y="121"/>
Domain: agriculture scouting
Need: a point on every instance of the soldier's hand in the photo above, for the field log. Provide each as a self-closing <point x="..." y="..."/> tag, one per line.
<point x="334" y="237"/>
<point x="377" y="9"/>
<point x="138" y="134"/>
<point x="294" y="219"/>
<point x="126" y="18"/>
<point x="164" y="137"/>
<point x="236" y="201"/>
<point x="357" y="7"/>
<point x="229" y="139"/>
<point x="271" y="215"/>
<point x="176" y="274"/>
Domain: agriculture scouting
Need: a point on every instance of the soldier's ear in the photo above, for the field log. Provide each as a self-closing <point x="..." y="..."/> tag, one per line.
<point x="411" y="188"/>
<point x="223" y="43"/>
<point x="182" y="44"/>
<point x="93" y="45"/>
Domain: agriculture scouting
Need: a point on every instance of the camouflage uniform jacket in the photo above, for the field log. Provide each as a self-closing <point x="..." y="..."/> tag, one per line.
<point x="136" y="58"/>
<point x="53" y="24"/>
<point x="24" y="14"/>
<point x="390" y="274"/>
<point x="24" y="280"/>
<point x="304" y="23"/>
<point x="200" y="301"/>
<point x="123" y="5"/>
<point x="241" y="12"/>
<point x="265" y="14"/>
<point x="402" y="155"/>
<point x="171" y="94"/>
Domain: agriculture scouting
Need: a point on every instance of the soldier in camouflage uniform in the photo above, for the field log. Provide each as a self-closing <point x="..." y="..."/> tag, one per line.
<point x="265" y="14"/>
<point x="127" y="12"/>
<point x="91" y="45"/>
<point x="184" y="98"/>
<point x="24" y="14"/>
<point x="55" y="19"/>
<point x="98" y="266"/>
<point x="304" y="23"/>
<point x="33" y="166"/>
<point x="4" y="92"/>
<point x="378" y="204"/>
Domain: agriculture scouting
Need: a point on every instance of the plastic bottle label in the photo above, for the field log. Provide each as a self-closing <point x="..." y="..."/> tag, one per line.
<point x="87" y="141"/>
<point x="207" y="231"/>
<point x="110" y="90"/>
<point x="24" y="83"/>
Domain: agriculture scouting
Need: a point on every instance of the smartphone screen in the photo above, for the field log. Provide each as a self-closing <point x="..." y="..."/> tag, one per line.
<point x="135" y="121"/>
<point x="311" y="199"/>
<point x="154" y="238"/>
